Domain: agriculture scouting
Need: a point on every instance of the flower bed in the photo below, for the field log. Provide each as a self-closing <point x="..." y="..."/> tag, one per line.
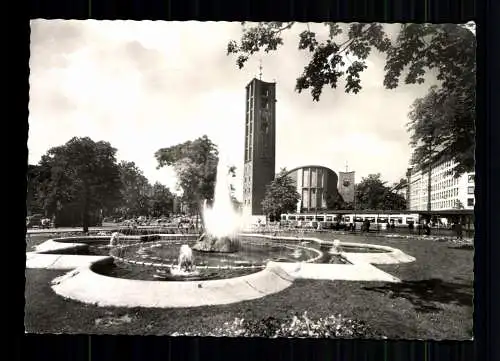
<point x="333" y="326"/>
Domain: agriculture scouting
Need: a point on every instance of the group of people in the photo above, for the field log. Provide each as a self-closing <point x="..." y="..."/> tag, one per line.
<point x="457" y="228"/>
<point x="424" y="228"/>
<point x="186" y="226"/>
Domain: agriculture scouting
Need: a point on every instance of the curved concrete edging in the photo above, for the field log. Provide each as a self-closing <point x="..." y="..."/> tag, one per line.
<point x="84" y="285"/>
<point x="389" y="256"/>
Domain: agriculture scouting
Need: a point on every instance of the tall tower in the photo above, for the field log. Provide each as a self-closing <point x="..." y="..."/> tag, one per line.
<point x="260" y="144"/>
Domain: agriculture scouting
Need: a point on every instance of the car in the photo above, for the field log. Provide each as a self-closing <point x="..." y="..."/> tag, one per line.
<point x="45" y="222"/>
<point x="34" y="220"/>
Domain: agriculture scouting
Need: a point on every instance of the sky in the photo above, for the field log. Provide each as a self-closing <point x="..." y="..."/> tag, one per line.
<point x="147" y="85"/>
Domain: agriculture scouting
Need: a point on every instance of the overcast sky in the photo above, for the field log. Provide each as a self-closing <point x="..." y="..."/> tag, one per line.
<point x="147" y="85"/>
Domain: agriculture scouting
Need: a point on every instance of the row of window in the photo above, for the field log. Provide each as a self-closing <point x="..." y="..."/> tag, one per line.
<point x="445" y="184"/>
<point x="312" y="199"/>
<point x="445" y="194"/>
<point x="451" y="203"/>
<point x="312" y="176"/>
<point x="444" y="165"/>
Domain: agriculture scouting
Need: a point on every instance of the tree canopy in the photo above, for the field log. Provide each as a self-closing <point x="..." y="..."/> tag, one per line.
<point x="281" y="196"/>
<point x="34" y="203"/>
<point x="162" y="200"/>
<point x="195" y="163"/>
<point x="136" y="191"/>
<point x="82" y="174"/>
<point x="78" y="180"/>
<point x="446" y="49"/>
<point x="442" y="128"/>
<point x="372" y="193"/>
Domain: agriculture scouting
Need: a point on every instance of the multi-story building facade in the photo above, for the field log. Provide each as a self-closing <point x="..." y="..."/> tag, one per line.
<point x="447" y="191"/>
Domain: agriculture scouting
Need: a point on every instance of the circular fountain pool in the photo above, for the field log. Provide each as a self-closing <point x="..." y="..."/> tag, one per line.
<point x="158" y="260"/>
<point x="156" y="257"/>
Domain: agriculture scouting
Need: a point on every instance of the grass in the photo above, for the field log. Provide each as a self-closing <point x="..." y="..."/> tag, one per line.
<point x="434" y="301"/>
<point x="36" y="239"/>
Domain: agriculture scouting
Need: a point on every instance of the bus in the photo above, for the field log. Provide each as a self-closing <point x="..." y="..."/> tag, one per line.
<point x="378" y="221"/>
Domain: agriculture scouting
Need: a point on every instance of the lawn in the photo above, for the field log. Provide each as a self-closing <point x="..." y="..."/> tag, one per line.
<point x="434" y="301"/>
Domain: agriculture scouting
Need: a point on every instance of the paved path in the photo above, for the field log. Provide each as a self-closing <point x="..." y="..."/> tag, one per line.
<point x="66" y="229"/>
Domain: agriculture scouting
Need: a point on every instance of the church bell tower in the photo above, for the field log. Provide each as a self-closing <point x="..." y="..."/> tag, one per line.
<point x="260" y="144"/>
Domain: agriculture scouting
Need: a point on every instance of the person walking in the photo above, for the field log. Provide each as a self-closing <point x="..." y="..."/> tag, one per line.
<point x="427" y="229"/>
<point x="459" y="230"/>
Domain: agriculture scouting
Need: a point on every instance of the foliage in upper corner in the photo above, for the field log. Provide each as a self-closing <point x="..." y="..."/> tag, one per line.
<point x="446" y="49"/>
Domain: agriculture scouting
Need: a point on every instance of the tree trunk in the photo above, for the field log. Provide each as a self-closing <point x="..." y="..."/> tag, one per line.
<point x="199" y="214"/>
<point x="429" y="185"/>
<point x="85" y="215"/>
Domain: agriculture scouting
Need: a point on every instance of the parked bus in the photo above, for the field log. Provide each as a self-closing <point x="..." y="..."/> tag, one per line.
<point x="378" y="221"/>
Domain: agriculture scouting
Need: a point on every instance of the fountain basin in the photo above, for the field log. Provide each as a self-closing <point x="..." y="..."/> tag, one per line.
<point x="85" y="285"/>
<point x="88" y="283"/>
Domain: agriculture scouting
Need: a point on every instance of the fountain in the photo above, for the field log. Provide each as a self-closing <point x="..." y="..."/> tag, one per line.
<point x="335" y="247"/>
<point x="186" y="259"/>
<point x="115" y="238"/>
<point x="221" y="221"/>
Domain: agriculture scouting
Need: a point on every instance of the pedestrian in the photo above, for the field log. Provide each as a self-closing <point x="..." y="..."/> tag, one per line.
<point x="427" y="229"/>
<point x="366" y="225"/>
<point x="459" y="230"/>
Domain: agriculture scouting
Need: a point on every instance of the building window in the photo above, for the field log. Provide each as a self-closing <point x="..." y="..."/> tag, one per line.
<point x="470" y="202"/>
<point x="471" y="178"/>
<point x="470" y="190"/>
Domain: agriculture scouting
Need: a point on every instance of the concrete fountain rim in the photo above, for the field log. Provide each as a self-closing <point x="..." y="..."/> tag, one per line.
<point x="389" y="256"/>
<point x="80" y="282"/>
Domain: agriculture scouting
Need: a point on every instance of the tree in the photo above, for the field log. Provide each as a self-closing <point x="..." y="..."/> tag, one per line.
<point x="447" y="49"/>
<point x="136" y="190"/>
<point x="428" y="137"/>
<point x="393" y="201"/>
<point x="81" y="175"/>
<point x="195" y="163"/>
<point x="34" y="204"/>
<point x="336" y="202"/>
<point x="442" y="128"/>
<point x="458" y="205"/>
<point x="281" y="196"/>
<point x="162" y="200"/>
<point x="372" y="193"/>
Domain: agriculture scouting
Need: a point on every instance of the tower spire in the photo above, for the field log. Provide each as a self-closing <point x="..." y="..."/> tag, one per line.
<point x="346" y="167"/>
